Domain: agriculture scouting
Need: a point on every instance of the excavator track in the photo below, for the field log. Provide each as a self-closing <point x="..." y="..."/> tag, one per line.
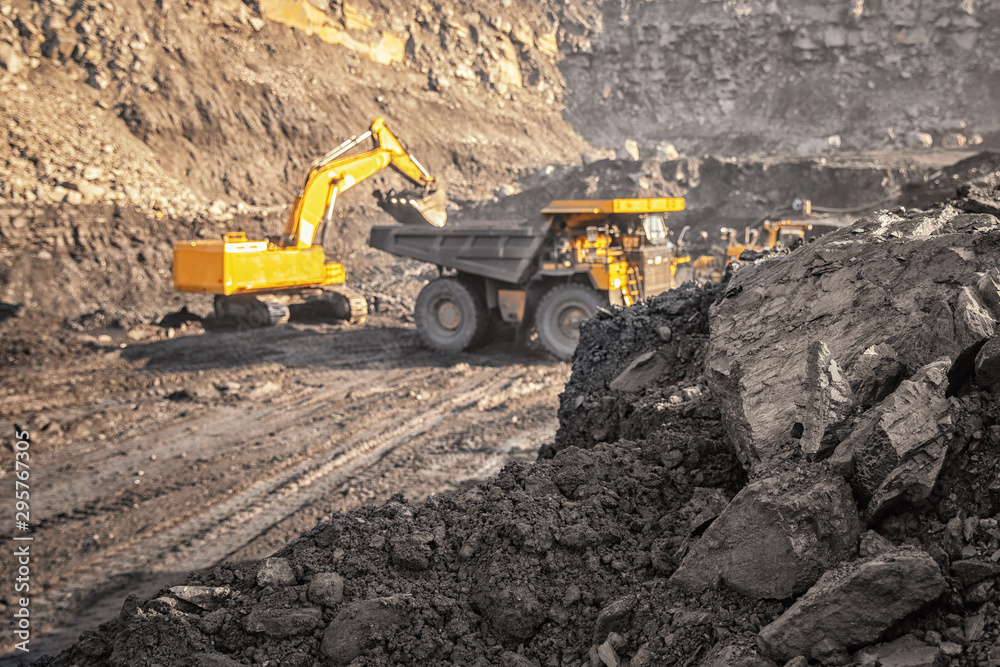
<point x="251" y="311"/>
<point x="273" y="313"/>
<point x="342" y="303"/>
<point x="357" y="306"/>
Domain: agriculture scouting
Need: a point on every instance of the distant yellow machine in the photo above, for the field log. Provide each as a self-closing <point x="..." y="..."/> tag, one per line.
<point x="781" y="234"/>
<point x="239" y="270"/>
<point x="712" y="267"/>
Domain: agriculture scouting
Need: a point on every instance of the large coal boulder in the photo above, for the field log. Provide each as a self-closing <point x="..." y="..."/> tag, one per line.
<point x="905" y="280"/>
<point x="853" y="605"/>
<point x="361" y="625"/>
<point x="899" y="447"/>
<point x="776" y="538"/>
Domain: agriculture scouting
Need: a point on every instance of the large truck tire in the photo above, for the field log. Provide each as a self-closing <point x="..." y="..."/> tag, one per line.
<point x="451" y="315"/>
<point x="559" y="314"/>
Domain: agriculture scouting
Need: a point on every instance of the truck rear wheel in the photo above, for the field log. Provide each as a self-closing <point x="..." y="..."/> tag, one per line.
<point x="559" y="315"/>
<point x="451" y="315"/>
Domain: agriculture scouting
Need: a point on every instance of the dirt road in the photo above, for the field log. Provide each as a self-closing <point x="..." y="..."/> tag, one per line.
<point x="158" y="458"/>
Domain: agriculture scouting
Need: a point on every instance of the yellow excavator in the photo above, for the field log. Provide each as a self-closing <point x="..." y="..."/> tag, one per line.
<point x="293" y="266"/>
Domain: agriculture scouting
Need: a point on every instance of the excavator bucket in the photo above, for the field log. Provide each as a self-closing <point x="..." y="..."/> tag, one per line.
<point x="405" y="207"/>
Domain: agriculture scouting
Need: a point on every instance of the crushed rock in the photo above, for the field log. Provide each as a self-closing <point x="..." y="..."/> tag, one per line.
<point x="541" y="561"/>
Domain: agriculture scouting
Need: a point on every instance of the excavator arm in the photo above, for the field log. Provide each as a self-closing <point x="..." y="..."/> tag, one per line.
<point x="337" y="171"/>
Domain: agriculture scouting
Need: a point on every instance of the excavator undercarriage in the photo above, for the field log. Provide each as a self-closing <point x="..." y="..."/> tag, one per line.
<point x="340" y="303"/>
<point x="250" y="310"/>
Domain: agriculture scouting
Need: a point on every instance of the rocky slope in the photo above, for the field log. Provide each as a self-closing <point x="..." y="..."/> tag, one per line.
<point x="234" y="99"/>
<point x="752" y="76"/>
<point x="170" y="106"/>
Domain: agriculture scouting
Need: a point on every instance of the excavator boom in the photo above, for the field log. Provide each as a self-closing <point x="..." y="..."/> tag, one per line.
<point x="338" y="171"/>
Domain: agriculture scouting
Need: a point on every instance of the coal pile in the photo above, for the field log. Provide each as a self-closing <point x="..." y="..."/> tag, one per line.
<point x="637" y="369"/>
<point x="545" y="564"/>
<point x="854" y="380"/>
<point x="824" y="491"/>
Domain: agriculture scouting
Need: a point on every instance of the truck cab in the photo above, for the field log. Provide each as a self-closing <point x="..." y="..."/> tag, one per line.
<point x="621" y="245"/>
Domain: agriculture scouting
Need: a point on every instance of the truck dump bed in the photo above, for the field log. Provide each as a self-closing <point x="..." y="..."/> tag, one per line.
<point x="503" y="251"/>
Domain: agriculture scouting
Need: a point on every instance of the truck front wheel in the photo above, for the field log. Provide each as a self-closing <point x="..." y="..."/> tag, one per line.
<point x="559" y="315"/>
<point x="451" y="315"/>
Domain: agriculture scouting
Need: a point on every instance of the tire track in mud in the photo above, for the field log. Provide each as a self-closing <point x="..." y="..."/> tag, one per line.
<point x="348" y="417"/>
<point x="447" y="471"/>
<point x="200" y="536"/>
<point x="246" y="517"/>
<point x="183" y="436"/>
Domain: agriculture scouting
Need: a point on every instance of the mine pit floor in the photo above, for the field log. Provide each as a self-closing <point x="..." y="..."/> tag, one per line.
<point x="162" y="457"/>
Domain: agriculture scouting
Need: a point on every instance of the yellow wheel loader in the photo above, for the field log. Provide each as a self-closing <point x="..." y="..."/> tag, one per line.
<point x="293" y="267"/>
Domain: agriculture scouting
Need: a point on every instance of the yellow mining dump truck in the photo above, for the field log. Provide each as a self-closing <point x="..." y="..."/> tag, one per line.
<point x="293" y="266"/>
<point x="549" y="273"/>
